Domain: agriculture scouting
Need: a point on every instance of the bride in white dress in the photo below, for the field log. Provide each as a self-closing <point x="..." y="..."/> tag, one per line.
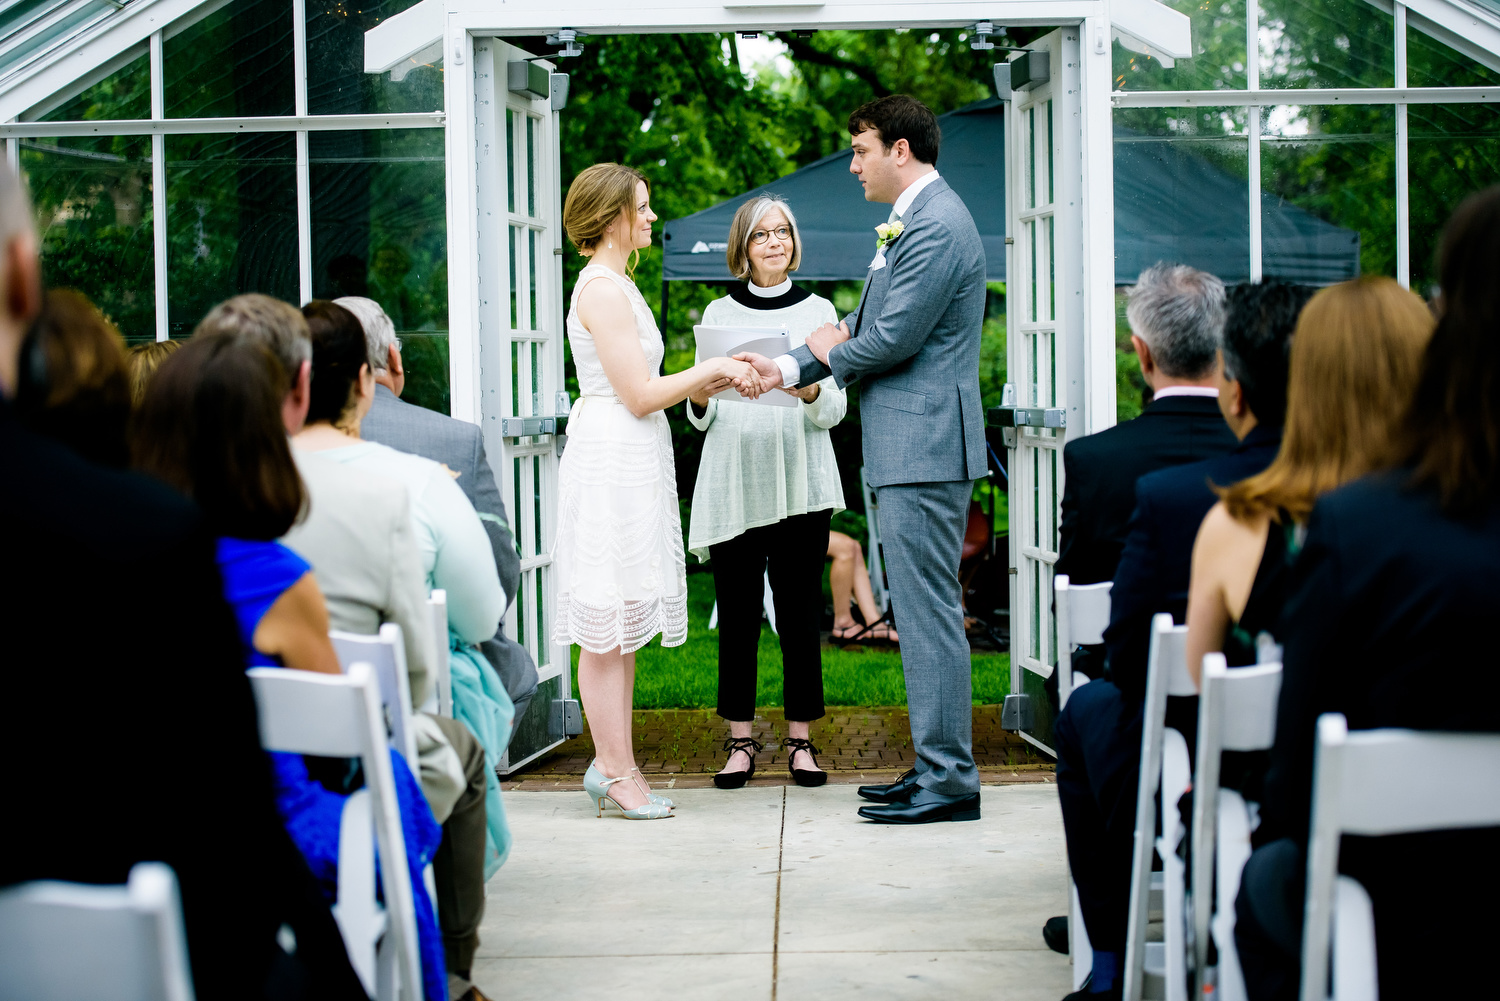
<point x="618" y="559"/>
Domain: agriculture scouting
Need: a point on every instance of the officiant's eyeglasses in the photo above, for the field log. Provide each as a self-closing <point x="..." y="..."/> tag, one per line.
<point x="783" y="233"/>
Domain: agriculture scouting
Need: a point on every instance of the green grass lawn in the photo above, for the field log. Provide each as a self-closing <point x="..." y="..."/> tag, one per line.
<point x="686" y="677"/>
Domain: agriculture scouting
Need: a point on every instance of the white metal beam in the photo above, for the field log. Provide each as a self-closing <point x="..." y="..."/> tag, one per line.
<point x="125" y="29"/>
<point x="1153" y="29"/>
<point x="398" y="39"/>
<point x="1302" y="98"/>
<point x="210" y="126"/>
<point x="1459" y="24"/>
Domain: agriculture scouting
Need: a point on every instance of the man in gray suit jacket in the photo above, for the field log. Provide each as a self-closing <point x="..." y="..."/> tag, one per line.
<point x="458" y="445"/>
<point x="915" y="344"/>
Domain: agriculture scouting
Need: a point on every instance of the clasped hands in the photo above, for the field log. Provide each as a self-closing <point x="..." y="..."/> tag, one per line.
<point x="756" y="374"/>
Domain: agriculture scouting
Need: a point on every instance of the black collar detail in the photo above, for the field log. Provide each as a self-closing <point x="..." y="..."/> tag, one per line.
<point x="742" y="295"/>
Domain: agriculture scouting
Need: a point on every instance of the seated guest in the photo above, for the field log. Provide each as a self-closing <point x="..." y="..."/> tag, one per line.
<point x="73" y="382"/>
<point x="1176" y="315"/>
<point x="849" y="582"/>
<point x="142" y="361"/>
<point x="454" y="549"/>
<point x="210" y="425"/>
<point x="1170" y="503"/>
<point x="359" y="534"/>
<point x="169" y="707"/>
<point x="1355" y="358"/>
<point x="1398" y="571"/>
<point x="458" y="445"/>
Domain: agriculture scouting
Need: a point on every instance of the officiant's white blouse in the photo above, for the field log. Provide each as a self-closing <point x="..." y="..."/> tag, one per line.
<point x="762" y="464"/>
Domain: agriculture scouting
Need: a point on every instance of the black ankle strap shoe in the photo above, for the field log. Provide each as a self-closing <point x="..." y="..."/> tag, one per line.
<point x="803" y="776"/>
<point x="734" y="780"/>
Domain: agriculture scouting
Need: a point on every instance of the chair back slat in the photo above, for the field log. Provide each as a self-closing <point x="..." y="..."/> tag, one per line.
<point x="307" y="713"/>
<point x="1082" y="614"/>
<point x="1247" y="713"/>
<point x="72" y="940"/>
<point x="386" y="655"/>
<point x="437" y="604"/>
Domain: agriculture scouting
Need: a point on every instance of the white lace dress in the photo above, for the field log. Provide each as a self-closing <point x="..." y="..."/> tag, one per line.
<point x="618" y="559"/>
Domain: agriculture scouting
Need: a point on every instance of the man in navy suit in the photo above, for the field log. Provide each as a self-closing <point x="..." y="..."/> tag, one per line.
<point x="1171" y="503"/>
<point x="1099" y="731"/>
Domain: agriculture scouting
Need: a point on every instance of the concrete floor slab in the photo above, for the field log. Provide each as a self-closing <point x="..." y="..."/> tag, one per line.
<point x="740" y="884"/>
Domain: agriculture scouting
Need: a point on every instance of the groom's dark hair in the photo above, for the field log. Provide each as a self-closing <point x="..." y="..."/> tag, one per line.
<point x="900" y="117"/>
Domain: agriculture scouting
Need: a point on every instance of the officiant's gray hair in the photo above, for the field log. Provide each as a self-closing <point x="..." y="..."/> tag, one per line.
<point x="745" y="221"/>
<point x="1179" y="312"/>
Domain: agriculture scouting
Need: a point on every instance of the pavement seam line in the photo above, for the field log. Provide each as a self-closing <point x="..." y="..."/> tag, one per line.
<point x="776" y="925"/>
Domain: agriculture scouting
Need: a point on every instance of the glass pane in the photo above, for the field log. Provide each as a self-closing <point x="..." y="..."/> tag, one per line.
<point x="515" y="249"/>
<point x="1181" y="191"/>
<point x="1036" y="609"/>
<point x="536" y="377"/>
<point x="1326" y="43"/>
<point x="379" y="229"/>
<point x="1049" y="155"/>
<point x="231" y="221"/>
<point x="523" y="608"/>
<point x="1218" y="60"/>
<point x="541" y="616"/>
<point x="1454" y="151"/>
<point x="531" y="266"/>
<point x="337" y="83"/>
<point x="1036" y="497"/>
<point x="1032" y="264"/>
<point x="236" y="62"/>
<point x="126" y="93"/>
<point x="515" y="381"/>
<point x="93" y="210"/>
<point x="1051" y="274"/>
<point x="536" y="499"/>
<point x="511" y="165"/>
<point x="1430" y="63"/>
<point x="1328" y="212"/>
<point x="1034" y="372"/>
<point x="531" y="166"/>
<point x="1051" y="545"/>
<point x="515" y="507"/>
<point x="1031" y="157"/>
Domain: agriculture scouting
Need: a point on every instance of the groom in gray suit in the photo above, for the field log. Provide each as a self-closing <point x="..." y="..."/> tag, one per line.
<point x="914" y="342"/>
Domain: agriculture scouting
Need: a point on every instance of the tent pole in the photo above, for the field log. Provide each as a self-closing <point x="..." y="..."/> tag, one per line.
<point x="664" y="307"/>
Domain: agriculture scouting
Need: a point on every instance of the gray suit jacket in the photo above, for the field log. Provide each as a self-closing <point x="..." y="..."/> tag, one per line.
<point x="916" y="346"/>
<point x="459" y="445"/>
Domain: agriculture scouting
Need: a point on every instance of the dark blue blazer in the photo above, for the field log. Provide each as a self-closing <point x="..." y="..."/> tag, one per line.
<point x="1156" y="562"/>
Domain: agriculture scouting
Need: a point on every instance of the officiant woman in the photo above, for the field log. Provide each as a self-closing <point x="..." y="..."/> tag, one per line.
<point x="767" y="486"/>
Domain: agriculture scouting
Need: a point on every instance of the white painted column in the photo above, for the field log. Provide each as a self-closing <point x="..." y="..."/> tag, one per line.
<point x="304" y="173"/>
<point x="463" y="239"/>
<point x="159" y="187"/>
<point x="1252" y="82"/>
<point x="1403" y="165"/>
<point x="1098" y="248"/>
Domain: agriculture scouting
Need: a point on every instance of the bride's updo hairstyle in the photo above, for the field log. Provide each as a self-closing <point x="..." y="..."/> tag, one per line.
<point x="595" y="199"/>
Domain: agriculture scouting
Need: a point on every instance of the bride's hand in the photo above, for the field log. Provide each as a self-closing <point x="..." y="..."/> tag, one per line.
<point x="700" y="398"/>
<point x="744" y="377"/>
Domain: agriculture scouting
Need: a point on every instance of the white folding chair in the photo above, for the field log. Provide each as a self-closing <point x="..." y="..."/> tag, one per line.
<point x="1236" y="712"/>
<point x="1374" y="783"/>
<point x="1082" y="614"/>
<point x="437" y="605"/>
<point x="339" y="716"/>
<point x="1165" y="767"/>
<point x="386" y="655"/>
<point x="60" y="941"/>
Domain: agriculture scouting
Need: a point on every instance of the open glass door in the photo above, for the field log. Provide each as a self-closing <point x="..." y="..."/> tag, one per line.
<point x="1044" y="322"/>
<point x="521" y="352"/>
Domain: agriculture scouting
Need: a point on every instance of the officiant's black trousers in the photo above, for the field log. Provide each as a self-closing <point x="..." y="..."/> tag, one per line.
<point x="792" y="551"/>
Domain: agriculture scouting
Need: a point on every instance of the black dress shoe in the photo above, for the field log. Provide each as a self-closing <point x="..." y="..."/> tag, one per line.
<point x="924" y="807"/>
<point x="896" y="792"/>
<point x="1055" y="934"/>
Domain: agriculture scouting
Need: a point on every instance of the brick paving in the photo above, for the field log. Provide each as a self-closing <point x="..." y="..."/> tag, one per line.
<point x="682" y="748"/>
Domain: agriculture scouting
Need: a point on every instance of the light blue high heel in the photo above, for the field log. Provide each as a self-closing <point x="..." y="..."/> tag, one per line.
<point x="596" y="784"/>
<point x="640" y="780"/>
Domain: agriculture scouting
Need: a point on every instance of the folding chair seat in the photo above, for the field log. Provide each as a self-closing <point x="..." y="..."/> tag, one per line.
<point x="61" y="941"/>
<point x="767" y="606"/>
<point x="339" y="716"/>
<point x="1160" y="969"/>
<point x="1082" y="615"/>
<point x="1376" y="783"/>
<point x="386" y="655"/>
<point x="442" y="689"/>
<point x="1236" y="712"/>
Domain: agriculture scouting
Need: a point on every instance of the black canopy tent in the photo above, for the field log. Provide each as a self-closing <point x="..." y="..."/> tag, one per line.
<point x="1170" y="205"/>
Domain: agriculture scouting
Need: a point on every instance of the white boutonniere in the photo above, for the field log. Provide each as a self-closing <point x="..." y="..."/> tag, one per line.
<point x="886" y="233"/>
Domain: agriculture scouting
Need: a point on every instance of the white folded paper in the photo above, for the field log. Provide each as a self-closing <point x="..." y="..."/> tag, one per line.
<point x="726" y="342"/>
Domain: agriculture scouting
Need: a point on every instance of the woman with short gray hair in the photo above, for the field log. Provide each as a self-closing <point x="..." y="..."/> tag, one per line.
<point x="768" y="483"/>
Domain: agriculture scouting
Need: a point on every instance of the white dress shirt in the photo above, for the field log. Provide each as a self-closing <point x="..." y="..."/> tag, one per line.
<point x="1162" y="394"/>
<point x="790" y="370"/>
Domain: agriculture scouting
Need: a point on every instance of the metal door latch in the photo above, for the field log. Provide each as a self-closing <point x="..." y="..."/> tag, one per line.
<point x="1032" y="417"/>
<point x="1017" y="713"/>
<point x="566" y="720"/>
<point x="556" y="423"/>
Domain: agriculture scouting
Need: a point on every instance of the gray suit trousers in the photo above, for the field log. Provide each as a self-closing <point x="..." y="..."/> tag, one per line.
<point x="922" y="532"/>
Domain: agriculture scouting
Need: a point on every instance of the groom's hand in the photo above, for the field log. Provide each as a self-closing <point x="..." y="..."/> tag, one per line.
<point x="823" y="340"/>
<point x="767" y="371"/>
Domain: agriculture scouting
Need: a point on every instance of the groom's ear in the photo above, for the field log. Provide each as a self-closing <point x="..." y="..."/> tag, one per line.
<point x="901" y="150"/>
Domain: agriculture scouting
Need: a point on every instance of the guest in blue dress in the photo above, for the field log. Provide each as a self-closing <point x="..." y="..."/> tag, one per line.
<point x="211" y="426"/>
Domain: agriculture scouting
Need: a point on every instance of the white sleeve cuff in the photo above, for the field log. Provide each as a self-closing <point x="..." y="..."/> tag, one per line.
<point x="790" y="370"/>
